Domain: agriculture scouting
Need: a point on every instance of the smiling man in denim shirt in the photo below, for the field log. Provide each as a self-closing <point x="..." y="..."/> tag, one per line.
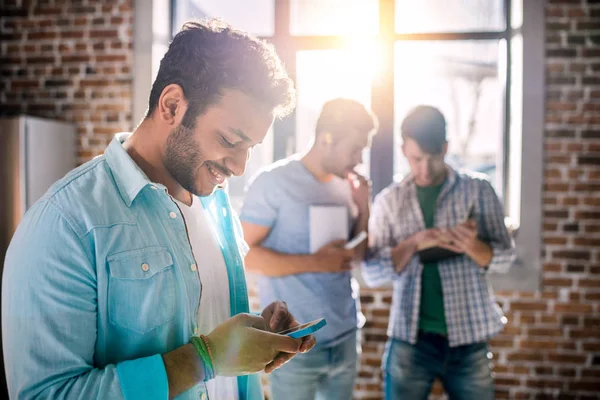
<point x="134" y="254"/>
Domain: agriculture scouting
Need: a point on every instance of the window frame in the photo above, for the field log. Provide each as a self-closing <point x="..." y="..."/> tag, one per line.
<point x="523" y="277"/>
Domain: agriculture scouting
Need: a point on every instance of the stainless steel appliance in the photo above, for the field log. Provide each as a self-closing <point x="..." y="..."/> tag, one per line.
<point x="34" y="153"/>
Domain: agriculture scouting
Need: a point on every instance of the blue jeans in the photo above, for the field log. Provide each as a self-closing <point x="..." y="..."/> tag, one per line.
<point x="410" y="370"/>
<point x="323" y="374"/>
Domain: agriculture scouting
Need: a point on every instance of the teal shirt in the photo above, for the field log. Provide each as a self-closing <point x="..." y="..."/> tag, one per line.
<point x="431" y="309"/>
<point x="97" y="285"/>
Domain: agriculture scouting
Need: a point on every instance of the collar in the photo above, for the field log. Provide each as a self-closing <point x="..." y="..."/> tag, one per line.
<point x="409" y="181"/>
<point x="129" y="177"/>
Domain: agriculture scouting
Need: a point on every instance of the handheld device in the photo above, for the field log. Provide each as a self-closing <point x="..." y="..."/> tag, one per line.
<point x="356" y="240"/>
<point x="304" y="329"/>
<point x="470" y="211"/>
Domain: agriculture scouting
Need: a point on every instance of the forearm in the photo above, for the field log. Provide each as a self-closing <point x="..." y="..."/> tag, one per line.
<point x="403" y="252"/>
<point x="184" y="369"/>
<point x="362" y="224"/>
<point x="503" y="257"/>
<point x="260" y="260"/>
<point x="481" y="253"/>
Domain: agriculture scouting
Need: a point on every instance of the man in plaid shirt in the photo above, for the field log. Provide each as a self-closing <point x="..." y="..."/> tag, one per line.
<point x="443" y="310"/>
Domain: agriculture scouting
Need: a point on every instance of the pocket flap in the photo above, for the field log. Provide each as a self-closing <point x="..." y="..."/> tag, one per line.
<point x="139" y="264"/>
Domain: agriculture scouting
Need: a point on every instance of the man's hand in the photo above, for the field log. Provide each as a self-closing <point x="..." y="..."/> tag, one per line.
<point x="244" y="345"/>
<point x="405" y="250"/>
<point x="361" y="192"/>
<point x="463" y="239"/>
<point x="425" y="236"/>
<point x="333" y="257"/>
<point x="278" y="318"/>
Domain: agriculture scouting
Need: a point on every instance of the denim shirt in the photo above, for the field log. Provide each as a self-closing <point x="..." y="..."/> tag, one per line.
<point x="98" y="284"/>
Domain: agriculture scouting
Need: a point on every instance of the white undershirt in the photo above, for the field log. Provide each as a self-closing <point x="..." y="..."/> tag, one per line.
<point x="214" y="300"/>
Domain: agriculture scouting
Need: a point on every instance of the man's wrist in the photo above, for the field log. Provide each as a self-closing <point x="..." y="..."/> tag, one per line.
<point x="364" y="211"/>
<point x="482" y="253"/>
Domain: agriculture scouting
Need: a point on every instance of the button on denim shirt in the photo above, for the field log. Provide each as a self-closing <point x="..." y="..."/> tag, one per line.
<point x="98" y="284"/>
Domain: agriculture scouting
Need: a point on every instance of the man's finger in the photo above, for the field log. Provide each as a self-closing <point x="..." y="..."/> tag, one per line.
<point x="451" y="247"/>
<point x="282" y="343"/>
<point x="338" y="243"/>
<point x="308" y="342"/>
<point x="282" y="358"/>
<point x="456" y="235"/>
<point x="280" y="316"/>
<point x="254" y="321"/>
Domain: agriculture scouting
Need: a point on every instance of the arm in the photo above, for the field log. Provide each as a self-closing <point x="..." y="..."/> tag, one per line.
<point x="49" y="302"/>
<point x="493" y="231"/>
<point x="330" y="258"/>
<point x="485" y="241"/>
<point x="266" y="262"/>
<point x="49" y="315"/>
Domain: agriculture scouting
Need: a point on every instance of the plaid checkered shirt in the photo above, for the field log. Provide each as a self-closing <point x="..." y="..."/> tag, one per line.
<point x="472" y="314"/>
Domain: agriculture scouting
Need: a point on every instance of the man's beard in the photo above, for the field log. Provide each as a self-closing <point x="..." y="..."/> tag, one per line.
<point x="183" y="158"/>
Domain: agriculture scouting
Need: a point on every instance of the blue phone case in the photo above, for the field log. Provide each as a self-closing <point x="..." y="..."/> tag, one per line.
<point x="318" y="324"/>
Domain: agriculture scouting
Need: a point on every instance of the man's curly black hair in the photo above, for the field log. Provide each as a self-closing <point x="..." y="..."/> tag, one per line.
<point x="207" y="57"/>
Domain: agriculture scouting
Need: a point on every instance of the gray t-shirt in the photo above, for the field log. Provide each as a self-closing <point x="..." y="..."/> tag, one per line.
<point x="280" y="197"/>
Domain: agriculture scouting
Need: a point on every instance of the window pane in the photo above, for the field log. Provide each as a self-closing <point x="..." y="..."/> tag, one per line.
<point x="334" y="17"/>
<point x="449" y="15"/>
<point x="323" y="75"/>
<point x="256" y="16"/>
<point x="462" y="79"/>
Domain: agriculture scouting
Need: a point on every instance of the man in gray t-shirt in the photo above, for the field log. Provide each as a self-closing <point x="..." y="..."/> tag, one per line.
<point x="276" y="221"/>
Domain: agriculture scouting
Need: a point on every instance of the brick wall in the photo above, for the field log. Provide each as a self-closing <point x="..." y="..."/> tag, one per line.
<point x="72" y="60"/>
<point x="69" y="60"/>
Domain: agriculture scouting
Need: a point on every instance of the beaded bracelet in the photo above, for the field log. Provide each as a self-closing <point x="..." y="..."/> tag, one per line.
<point x="200" y="346"/>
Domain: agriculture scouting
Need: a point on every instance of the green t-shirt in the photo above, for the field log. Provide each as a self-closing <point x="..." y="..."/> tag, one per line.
<point x="431" y="310"/>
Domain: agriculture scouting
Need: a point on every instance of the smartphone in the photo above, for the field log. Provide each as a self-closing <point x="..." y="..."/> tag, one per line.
<point x="304" y="329"/>
<point x="470" y="211"/>
<point x="358" y="239"/>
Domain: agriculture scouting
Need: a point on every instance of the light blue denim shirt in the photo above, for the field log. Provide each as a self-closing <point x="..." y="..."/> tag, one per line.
<point x="98" y="284"/>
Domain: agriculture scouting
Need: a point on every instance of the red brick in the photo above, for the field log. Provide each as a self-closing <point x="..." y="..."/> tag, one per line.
<point x="538" y="344"/>
<point x="522" y="356"/>
<point x="44" y="35"/>
<point x="557" y="282"/>
<point x="593" y="283"/>
<point x="585" y="333"/>
<point x="104" y="34"/>
<point x="589" y="386"/>
<point x="573" y="308"/>
<point x="571" y="255"/>
<point x="545" y="332"/>
<point x="567" y="358"/>
<point x="529" y="306"/>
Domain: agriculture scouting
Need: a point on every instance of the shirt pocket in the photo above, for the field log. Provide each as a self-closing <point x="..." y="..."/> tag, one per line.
<point x="141" y="289"/>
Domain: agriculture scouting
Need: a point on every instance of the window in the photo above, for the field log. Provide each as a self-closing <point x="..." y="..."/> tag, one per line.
<point x="470" y="58"/>
<point x="462" y="79"/>
<point x="449" y="16"/>
<point x="333" y="17"/>
<point x="256" y="16"/>
<point x="322" y="75"/>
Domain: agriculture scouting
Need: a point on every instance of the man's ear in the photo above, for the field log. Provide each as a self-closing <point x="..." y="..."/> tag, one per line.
<point x="172" y="104"/>
<point x="445" y="149"/>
